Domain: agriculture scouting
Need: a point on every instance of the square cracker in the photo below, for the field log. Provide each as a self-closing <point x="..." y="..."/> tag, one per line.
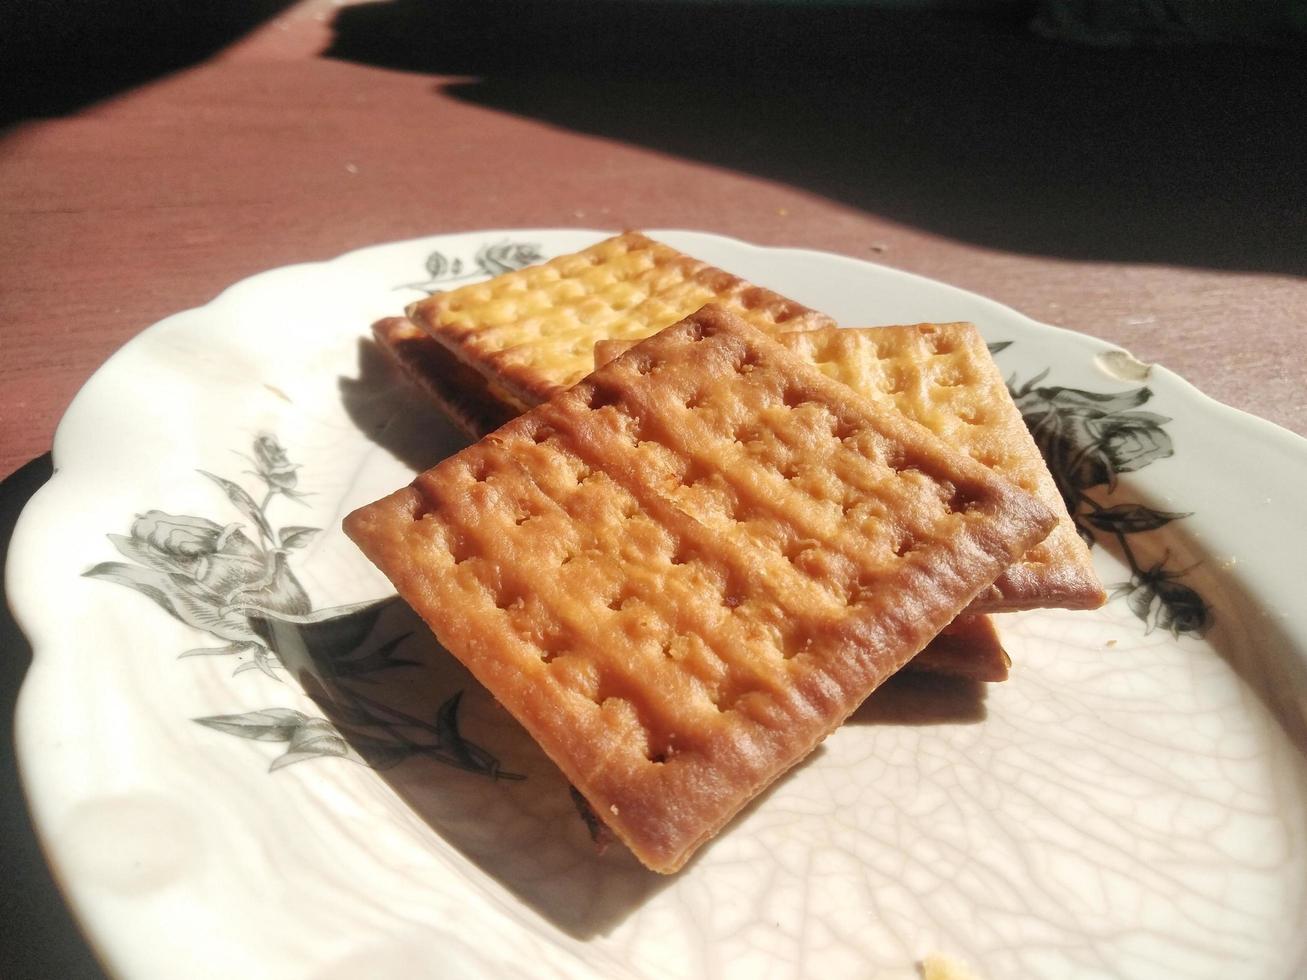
<point x="683" y="573"/>
<point x="942" y="376"/>
<point x="969" y="647"/>
<point x="533" y="331"/>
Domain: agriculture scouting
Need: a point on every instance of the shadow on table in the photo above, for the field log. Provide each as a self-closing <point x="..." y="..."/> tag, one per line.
<point x="60" y="55"/>
<point x="37" y="935"/>
<point x="967" y="127"/>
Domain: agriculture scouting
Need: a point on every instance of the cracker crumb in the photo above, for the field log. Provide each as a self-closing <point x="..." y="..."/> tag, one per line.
<point x="1110" y="643"/>
<point x="937" y="966"/>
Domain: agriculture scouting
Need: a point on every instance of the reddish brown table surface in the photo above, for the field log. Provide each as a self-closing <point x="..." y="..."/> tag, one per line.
<point x="1156" y="199"/>
<point x="1151" y="199"/>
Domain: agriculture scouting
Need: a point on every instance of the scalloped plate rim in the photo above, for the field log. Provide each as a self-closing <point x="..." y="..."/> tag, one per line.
<point x="66" y="465"/>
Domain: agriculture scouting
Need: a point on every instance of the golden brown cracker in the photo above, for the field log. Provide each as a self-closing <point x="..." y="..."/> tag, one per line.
<point x="683" y="573"/>
<point x="968" y="647"/>
<point x="942" y="376"/>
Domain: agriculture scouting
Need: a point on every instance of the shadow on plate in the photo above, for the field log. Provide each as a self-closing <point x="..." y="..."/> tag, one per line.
<point x="409" y="709"/>
<point x="1175" y="583"/>
<point x="413" y="712"/>
<point x="911" y="698"/>
<point x="389" y="410"/>
<point x="1094" y="442"/>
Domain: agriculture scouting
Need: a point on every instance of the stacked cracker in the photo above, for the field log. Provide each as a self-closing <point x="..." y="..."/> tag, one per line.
<point x="684" y="571"/>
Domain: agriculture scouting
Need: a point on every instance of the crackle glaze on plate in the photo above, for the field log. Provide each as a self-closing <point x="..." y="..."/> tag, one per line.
<point x="1132" y="803"/>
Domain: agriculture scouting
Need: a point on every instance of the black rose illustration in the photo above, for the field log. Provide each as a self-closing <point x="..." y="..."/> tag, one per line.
<point x="503" y="257"/>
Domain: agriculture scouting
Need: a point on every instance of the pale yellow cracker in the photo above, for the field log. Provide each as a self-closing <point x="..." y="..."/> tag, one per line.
<point x="533" y="331"/>
<point x="686" y="571"/>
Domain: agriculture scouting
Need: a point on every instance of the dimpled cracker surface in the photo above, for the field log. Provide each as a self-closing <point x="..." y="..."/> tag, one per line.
<point x="683" y="573"/>
<point x="465" y="396"/>
<point x="534" y="330"/>
<point x="969" y="647"/>
<point x="942" y="376"/>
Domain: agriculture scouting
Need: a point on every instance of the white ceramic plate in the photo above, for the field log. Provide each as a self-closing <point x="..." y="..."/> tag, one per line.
<point x="1133" y="803"/>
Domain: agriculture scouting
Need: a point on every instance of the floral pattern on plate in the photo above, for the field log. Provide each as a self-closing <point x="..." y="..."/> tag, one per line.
<point x="1131" y="803"/>
<point x="240" y="588"/>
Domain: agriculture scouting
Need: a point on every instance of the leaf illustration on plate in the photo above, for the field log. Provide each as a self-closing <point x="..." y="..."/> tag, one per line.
<point x="297" y="537"/>
<point x="373" y="727"/>
<point x="314" y="739"/>
<point x="279" y="590"/>
<point x="382" y="658"/>
<point x="218" y="579"/>
<point x="469" y="755"/>
<point x="1131" y="518"/>
<point x="1088" y="439"/>
<point x="243" y="502"/>
<point x="491" y="259"/>
<point x="599" y="833"/>
<point x="306" y="737"/>
<point x="450" y="737"/>
<point x="314" y="643"/>
<point x="382" y="753"/>
<point x="230" y="650"/>
<point x="265" y="725"/>
<point x="261" y="659"/>
<point x="437" y="265"/>
<point x="181" y="597"/>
